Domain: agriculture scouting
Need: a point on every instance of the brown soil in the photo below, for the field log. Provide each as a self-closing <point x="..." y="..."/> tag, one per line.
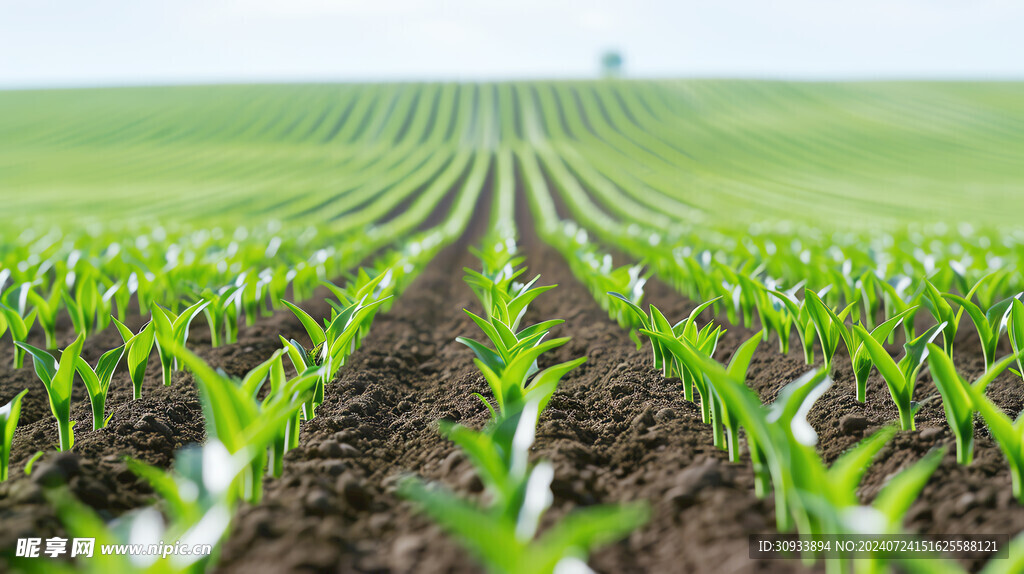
<point x="615" y="431"/>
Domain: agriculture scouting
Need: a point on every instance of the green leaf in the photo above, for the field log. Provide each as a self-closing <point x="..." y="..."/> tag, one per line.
<point x="45" y="364"/>
<point x="881" y="358"/>
<point x="740" y="362"/>
<point x="313" y="329"/>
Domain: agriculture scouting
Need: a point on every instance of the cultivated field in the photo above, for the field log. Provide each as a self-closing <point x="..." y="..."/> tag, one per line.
<point x="299" y="324"/>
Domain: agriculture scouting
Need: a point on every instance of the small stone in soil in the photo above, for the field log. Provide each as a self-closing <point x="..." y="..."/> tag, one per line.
<point x="330" y="449"/>
<point x="853" y="424"/>
<point x="665" y="414"/>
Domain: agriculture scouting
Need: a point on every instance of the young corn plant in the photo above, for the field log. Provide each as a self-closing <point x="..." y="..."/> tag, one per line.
<point x="989" y="324"/>
<point x="723" y="417"/>
<point x="138" y="347"/>
<point x="1015" y="330"/>
<point x="704" y="338"/>
<point x="813" y="498"/>
<point x="88" y="308"/>
<point x="895" y="301"/>
<point x="774" y="317"/>
<point x="886" y="512"/>
<point x="234" y="416"/>
<point x="657" y="322"/>
<point x="861" y="359"/>
<point x="332" y="344"/>
<point x="198" y="497"/>
<point x="222" y="313"/>
<point x="97" y="382"/>
<point x="172" y="330"/>
<point x="46" y="311"/>
<point x="799" y="317"/>
<point x="19" y="325"/>
<point x="779" y="436"/>
<point x="1008" y="434"/>
<point x="901" y="378"/>
<point x="288" y="437"/>
<point x="510" y="369"/>
<point x="57" y="377"/>
<point x="938" y="305"/>
<point x="502" y="535"/>
<point x="956" y="398"/>
<point x="254" y="291"/>
<point x="9" y="415"/>
<point x="830" y="326"/>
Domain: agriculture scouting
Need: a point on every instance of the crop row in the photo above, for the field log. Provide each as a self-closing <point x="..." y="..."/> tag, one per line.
<point x="250" y="425"/>
<point x="781" y="448"/>
<point x="502" y="533"/>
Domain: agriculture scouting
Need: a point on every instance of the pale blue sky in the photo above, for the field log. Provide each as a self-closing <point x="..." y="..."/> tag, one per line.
<point x="97" y="42"/>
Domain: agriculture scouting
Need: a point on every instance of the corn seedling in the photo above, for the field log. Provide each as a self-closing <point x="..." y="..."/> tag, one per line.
<point x="332" y="344"/>
<point x="254" y="291"/>
<point x="783" y="440"/>
<point x="197" y="497"/>
<point x="57" y="377"/>
<point x="288" y="437"/>
<point x="503" y="534"/>
<point x="896" y="301"/>
<point x="956" y="399"/>
<point x="1015" y="330"/>
<point x="510" y="369"/>
<point x="234" y="416"/>
<point x="170" y="330"/>
<point x="938" y="305"/>
<point x="97" y="382"/>
<point x="138" y="347"/>
<point x="723" y="417"/>
<point x="800" y="317"/>
<point x="657" y="321"/>
<point x="677" y="364"/>
<point x="46" y="311"/>
<point x="885" y="515"/>
<point x="861" y="358"/>
<point x="901" y="378"/>
<point x="774" y="317"/>
<point x="705" y="339"/>
<point x="19" y="326"/>
<point x="989" y="324"/>
<point x="222" y="313"/>
<point x="88" y="308"/>
<point x="830" y="326"/>
<point x="9" y="415"/>
<point x="1008" y="434"/>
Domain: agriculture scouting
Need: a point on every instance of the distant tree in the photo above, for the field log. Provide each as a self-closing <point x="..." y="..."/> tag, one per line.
<point x="611" y="63"/>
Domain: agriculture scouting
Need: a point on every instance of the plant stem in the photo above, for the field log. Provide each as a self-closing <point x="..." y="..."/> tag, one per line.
<point x="64" y="435"/>
<point x="762" y="475"/>
<point x="168" y="370"/>
<point x="277" y="450"/>
<point x="98" y="406"/>
<point x="965" y="448"/>
<point x="809" y="353"/>
<point x="906" y="418"/>
<point x="1016" y="472"/>
<point x="291" y="431"/>
<point x="705" y="410"/>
